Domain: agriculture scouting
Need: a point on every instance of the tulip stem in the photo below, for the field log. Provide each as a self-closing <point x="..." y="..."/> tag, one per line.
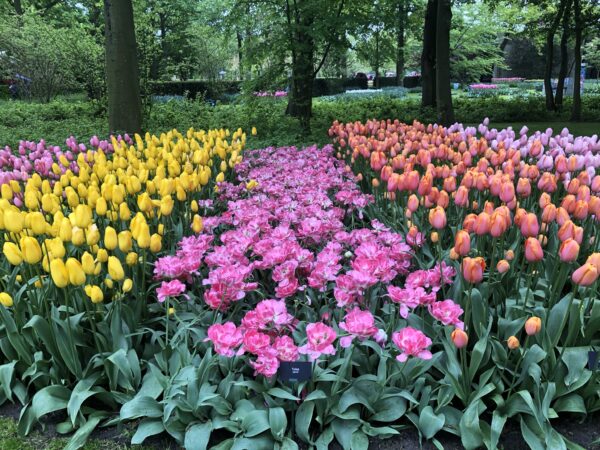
<point x="167" y="304"/>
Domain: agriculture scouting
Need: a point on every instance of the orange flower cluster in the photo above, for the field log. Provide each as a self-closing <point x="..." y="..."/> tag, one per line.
<point x="485" y="194"/>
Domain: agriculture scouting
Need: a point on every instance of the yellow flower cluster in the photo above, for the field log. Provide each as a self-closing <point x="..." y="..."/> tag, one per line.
<point x="97" y="226"/>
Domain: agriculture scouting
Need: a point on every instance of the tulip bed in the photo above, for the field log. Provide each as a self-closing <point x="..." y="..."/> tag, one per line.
<point x="443" y="279"/>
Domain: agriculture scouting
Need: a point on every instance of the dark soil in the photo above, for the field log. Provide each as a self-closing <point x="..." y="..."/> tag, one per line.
<point x="584" y="433"/>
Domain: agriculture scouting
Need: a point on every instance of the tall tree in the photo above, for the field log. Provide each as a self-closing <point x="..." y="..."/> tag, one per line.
<point x="122" y="77"/>
<point x="401" y="40"/>
<point x="445" y="111"/>
<point x="564" y="56"/>
<point x="576" y="112"/>
<point x="428" y="55"/>
<point x="550" y="33"/>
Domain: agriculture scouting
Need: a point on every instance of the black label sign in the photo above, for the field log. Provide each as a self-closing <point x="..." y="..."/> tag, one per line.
<point x="593" y="360"/>
<point x="295" y="371"/>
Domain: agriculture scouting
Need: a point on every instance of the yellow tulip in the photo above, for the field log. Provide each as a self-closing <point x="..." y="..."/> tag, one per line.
<point x="161" y="229"/>
<point x="124" y="212"/>
<point x="94" y="293"/>
<point x="166" y="205"/>
<point x="6" y="299"/>
<point x="127" y="285"/>
<point x="220" y="177"/>
<point x="115" y="269"/>
<point x="155" y="243"/>
<point x="197" y="225"/>
<point x="38" y="223"/>
<point x="31" y="250"/>
<point x="66" y="230"/>
<point x="13" y="220"/>
<point x="131" y="259"/>
<point x="7" y="192"/>
<point x="102" y="255"/>
<point x="78" y="237"/>
<point x="108" y="283"/>
<point x="92" y="235"/>
<point x="88" y="264"/>
<point x="124" y="239"/>
<point x="83" y="216"/>
<point x="12" y="252"/>
<point x="143" y="237"/>
<point x="253" y="131"/>
<point x="59" y="273"/>
<point x="76" y="273"/>
<point x="110" y="238"/>
<point x="101" y="206"/>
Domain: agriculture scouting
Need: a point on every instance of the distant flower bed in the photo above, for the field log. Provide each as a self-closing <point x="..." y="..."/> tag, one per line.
<point x="270" y="94"/>
<point x="483" y="86"/>
<point x="508" y="80"/>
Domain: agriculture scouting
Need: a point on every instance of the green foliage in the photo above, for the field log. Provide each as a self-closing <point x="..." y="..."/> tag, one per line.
<point x="34" y="121"/>
<point x="54" y="59"/>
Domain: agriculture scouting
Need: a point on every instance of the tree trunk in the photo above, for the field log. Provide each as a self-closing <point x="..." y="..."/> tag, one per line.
<point x="300" y="100"/>
<point x="240" y="55"/>
<point x="376" y="81"/>
<point x="400" y="42"/>
<point x="18" y="7"/>
<point x="122" y="77"/>
<point x="445" y="111"/>
<point x="550" y="105"/>
<point x="576" y="113"/>
<point x="428" y="56"/>
<point x="564" y="58"/>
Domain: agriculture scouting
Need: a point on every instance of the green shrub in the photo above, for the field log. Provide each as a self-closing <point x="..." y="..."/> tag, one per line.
<point x="61" y="118"/>
<point x="4" y="92"/>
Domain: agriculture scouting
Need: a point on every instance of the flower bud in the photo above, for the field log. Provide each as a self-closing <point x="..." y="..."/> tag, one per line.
<point x="459" y="338"/>
<point x="75" y="271"/>
<point x="502" y="266"/>
<point x="586" y="275"/>
<point x="533" y="326"/>
<point x="513" y="343"/>
<point x="473" y="269"/>
<point x="6" y="300"/>
<point x="569" y="250"/>
<point x="437" y="217"/>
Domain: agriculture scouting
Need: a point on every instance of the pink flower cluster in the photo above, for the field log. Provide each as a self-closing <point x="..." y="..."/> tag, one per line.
<point x="481" y="86"/>
<point x="290" y="240"/>
<point x="263" y="334"/>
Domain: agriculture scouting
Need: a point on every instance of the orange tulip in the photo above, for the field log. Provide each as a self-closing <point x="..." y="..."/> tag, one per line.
<point x="502" y="266"/>
<point x="586" y="275"/>
<point x="533" y="250"/>
<point x="529" y="225"/>
<point x="473" y="269"/>
<point x="509" y="255"/>
<point x="459" y="338"/>
<point x="481" y="225"/>
<point x="513" y="343"/>
<point x="462" y="243"/>
<point x="533" y="326"/>
<point x="437" y="217"/>
<point x="569" y="250"/>
<point x="594" y="259"/>
<point x="413" y="203"/>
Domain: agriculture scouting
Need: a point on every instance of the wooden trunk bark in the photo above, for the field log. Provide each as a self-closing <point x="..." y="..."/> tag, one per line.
<point x="445" y="111"/>
<point x="550" y="105"/>
<point x="303" y="73"/>
<point x="400" y="41"/>
<point x="576" y="112"/>
<point x="122" y="77"/>
<point x="564" y="58"/>
<point x="428" y="56"/>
